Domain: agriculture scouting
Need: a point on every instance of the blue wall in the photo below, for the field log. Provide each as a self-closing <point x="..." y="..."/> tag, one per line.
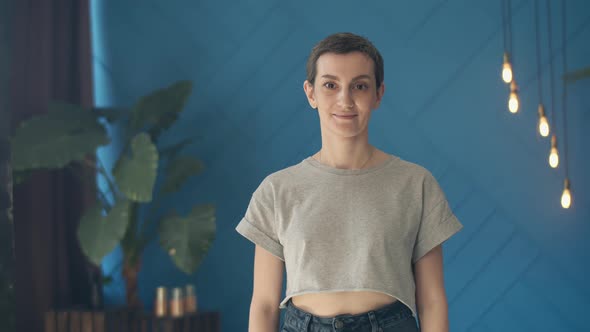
<point x="520" y="263"/>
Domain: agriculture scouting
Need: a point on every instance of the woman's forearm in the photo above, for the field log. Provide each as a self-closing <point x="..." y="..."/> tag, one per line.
<point x="263" y="318"/>
<point x="434" y="318"/>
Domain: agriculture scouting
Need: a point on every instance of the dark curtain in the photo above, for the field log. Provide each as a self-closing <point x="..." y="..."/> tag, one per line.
<point x="7" y="261"/>
<point x="51" y="61"/>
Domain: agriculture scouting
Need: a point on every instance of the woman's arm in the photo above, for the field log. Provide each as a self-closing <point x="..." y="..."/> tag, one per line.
<point x="266" y="293"/>
<point x="431" y="300"/>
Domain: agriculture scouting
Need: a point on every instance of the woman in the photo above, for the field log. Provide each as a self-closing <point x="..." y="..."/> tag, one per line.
<point x="358" y="230"/>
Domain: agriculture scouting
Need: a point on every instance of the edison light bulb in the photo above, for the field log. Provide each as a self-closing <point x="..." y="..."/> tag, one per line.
<point x="566" y="196"/>
<point x="513" y="99"/>
<point x="543" y="127"/>
<point x="553" y="155"/>
<point x="506" y="69"/>
<point x="543" y="124"/>
<point x="513" y="102"/>
<point x="554" y="158"/>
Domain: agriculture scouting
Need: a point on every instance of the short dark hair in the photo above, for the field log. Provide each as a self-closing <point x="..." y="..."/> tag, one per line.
<point x="342" y="43"/>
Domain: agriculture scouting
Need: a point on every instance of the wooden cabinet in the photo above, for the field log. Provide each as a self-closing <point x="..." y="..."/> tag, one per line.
<point x="128" y="321"/>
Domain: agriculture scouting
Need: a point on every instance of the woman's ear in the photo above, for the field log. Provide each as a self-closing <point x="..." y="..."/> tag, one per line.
<point x="380" y="93"/>
<point x="308" y="88"/>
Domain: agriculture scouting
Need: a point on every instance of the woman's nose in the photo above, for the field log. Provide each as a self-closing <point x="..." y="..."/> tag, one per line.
<point x="346" y="98"/>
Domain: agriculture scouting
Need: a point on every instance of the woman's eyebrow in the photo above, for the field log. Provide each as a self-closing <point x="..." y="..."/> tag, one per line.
<point x="361" y="76"/>
<point x="332" y="77"/>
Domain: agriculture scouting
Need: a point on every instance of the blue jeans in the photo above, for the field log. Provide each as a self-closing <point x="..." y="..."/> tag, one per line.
<point x="394" y="317"/>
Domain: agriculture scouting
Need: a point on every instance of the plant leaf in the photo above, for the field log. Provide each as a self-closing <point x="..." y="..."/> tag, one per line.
<point x="178" y="171"/>
<point x="171" y="151"/>
<point x="136" y="173"/>
<point x="187" y="239"/>
<point x="52" y="140"/>
<point x="99" y="235"/>
<point x="160" y="109"/>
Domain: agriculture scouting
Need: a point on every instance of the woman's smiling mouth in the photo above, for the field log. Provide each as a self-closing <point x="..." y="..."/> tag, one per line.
<point x="345" y="116"/>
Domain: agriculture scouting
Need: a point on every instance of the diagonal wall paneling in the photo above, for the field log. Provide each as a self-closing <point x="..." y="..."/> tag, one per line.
<point x="516" y="265"/>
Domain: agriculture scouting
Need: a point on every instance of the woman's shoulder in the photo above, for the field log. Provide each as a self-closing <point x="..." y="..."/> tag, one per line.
<point x="407" y="167"/>
<point x="283" y="175"/>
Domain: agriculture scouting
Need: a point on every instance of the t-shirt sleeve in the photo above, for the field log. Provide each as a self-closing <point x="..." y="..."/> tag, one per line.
<point x="437" y="223"/>
<point x="259" y="223"/>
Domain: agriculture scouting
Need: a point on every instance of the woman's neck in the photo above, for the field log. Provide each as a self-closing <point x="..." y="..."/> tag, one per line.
<point x="348" y="157"/>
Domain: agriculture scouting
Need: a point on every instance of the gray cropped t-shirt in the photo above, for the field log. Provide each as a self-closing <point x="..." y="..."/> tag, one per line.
<point x="342" y="229"/>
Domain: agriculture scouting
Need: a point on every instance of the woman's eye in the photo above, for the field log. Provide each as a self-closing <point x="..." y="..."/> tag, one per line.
<point x="329" y="85"/>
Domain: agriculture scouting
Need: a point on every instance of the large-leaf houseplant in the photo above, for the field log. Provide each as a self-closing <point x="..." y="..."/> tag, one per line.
<point x="68" y="133"/>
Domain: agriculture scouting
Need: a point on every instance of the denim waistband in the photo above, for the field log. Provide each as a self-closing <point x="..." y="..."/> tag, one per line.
<point x="301" y="319"/>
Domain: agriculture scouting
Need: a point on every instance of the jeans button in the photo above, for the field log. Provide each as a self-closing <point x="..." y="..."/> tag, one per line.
<point x="338" y="324"/>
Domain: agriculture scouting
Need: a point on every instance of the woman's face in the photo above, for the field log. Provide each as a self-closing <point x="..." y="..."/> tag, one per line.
<point x="344" y="85"/>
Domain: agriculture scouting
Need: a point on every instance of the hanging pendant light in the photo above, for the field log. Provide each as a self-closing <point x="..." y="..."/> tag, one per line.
<point x="566" y="196"/>
<point x="553" y="154"/>
<point x="507" y="73"/>
<point x="543" y="123"/>
<point x="513" y="102"/>
<point x="506" y="69"/>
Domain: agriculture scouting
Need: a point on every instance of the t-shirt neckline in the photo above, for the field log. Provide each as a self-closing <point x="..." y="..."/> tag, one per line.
<point x="343" y="171"/>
